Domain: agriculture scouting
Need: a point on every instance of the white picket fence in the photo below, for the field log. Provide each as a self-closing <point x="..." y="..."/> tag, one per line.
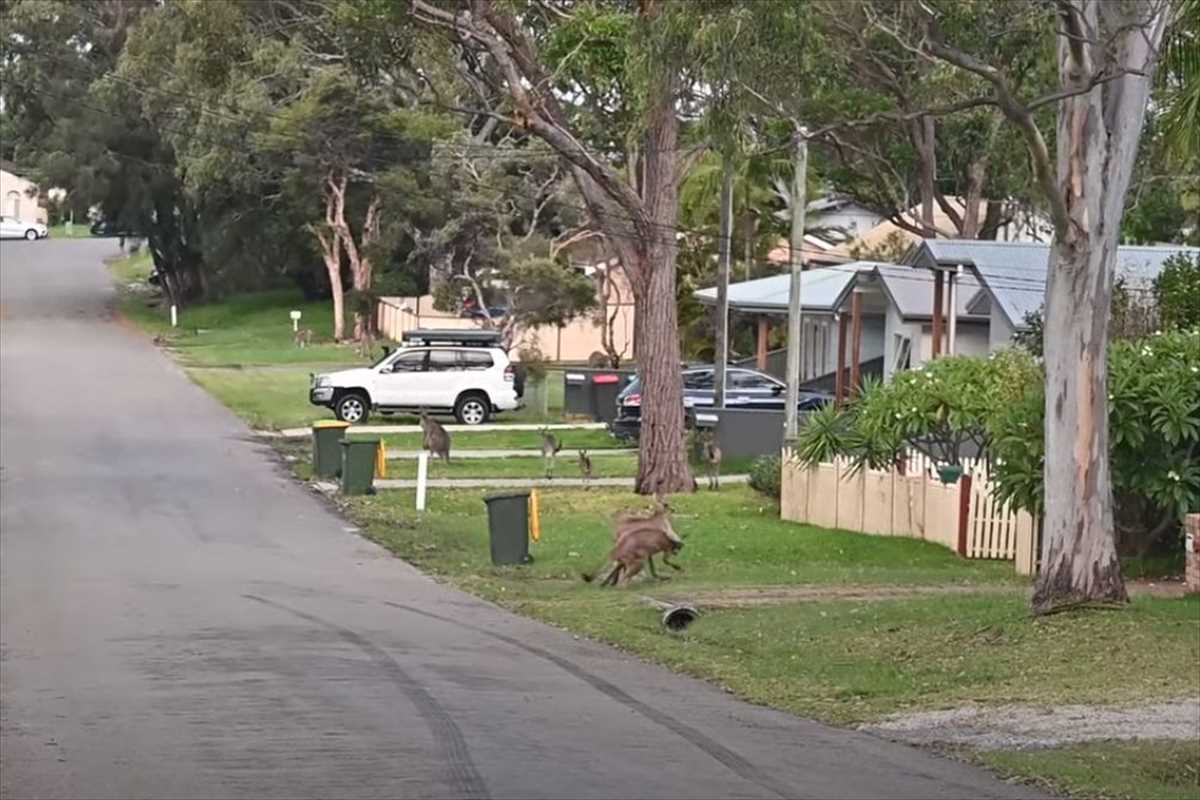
<point x="913" y="502"/>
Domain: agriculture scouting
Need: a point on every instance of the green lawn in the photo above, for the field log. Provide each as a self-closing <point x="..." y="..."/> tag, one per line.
<point x="1153" y="769"/>
<point x="840" y="660"/>
<point x="242" y="349"/>
<point x="80" y="230"/>
<point x="592" y="439"/>
<point x="532" y="466"/>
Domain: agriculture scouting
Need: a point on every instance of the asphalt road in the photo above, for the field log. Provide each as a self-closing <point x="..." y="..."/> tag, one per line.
<point x="180" y="620"/>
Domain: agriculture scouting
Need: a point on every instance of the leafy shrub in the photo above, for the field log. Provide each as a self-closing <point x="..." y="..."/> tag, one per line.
<point x="1177" y="290"/>
<point x="940" y="410"/>
<point x="1154" y="437"/>
<point x="765" y="475"/>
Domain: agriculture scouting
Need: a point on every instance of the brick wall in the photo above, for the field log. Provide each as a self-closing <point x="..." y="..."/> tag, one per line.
<point x="1191" y="526"/>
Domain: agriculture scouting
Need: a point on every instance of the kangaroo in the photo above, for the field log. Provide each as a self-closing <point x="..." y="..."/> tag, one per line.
<point x="635" y="546"/>
<point x="436" y="439"/>
<point x="303" y="338"/>
<point x="585" y="467"/>
<point x="365" y="345"/>
<point x="550" y="447"/>
<point x="711" y="454"/>
<point x="626" y="521"/>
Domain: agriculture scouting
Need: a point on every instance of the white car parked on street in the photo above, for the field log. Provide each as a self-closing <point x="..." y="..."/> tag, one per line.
<point x="464" y="372"/>
<point x="13" y="228"/>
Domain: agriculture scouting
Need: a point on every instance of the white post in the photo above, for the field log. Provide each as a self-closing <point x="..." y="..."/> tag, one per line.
<point x="952" y="296"/>
<point x="174" y="316"/>
<point x="295" y="315"/>
<point x="422" y="477"/>
<point x="795" y="329"/>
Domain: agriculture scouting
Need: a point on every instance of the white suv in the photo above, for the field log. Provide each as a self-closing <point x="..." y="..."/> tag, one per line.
<point x="460" y="371"/>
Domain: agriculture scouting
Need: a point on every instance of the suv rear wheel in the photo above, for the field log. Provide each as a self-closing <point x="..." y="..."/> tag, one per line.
<point x="472" y="408"/>
<point x="352" y="407"/>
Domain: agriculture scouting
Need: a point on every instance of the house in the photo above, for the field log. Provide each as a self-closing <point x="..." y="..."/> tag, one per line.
<point x="1013" y="278"/>
<point x="861" y="318"/>
<point x="576" y="341"/>
<point x="841" y="231"/>
<point x="19" y="197"/>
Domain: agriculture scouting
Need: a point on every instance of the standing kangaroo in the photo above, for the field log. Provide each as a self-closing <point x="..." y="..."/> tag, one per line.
<point x="303" y="338"/>
<point x="550" y="447"/>
<point x="710" y="453"/>
<point x="436" y="439"/>
<point x="585" y="467"/>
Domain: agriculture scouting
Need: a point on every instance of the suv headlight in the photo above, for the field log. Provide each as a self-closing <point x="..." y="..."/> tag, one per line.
<point x="322" y="381"/>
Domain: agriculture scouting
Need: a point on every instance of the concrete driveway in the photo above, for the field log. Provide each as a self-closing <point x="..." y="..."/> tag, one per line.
<point x="180" y="620"/>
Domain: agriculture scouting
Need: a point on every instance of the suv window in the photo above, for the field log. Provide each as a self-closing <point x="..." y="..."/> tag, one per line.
<point x="698" y="380"/>
<point x="443" y="360"/>
<point x="475" y="359"/>
<point x="413" y="361"/>
<point x="749" y="380"/>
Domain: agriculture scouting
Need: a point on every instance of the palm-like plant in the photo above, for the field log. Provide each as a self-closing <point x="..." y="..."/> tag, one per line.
<point x="1179" y="76"/>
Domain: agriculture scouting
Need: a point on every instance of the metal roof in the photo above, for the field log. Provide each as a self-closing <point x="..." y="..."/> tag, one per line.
<point x="820" y="290"/>
<point x="1014" y="273"/>
<point x="825" y="290"/>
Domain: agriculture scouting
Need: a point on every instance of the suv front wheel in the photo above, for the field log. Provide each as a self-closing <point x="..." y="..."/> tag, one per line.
<point x="352" y="407"/>
<point x="472" y="408"/>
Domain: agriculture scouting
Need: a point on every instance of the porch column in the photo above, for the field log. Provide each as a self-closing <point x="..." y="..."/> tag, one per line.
<point x="953" y="312"/>
<point x="855" y="342"/>
<point x="839" y="384"/>
<point x="938" y="278"/>
<point x="760" y="354"/>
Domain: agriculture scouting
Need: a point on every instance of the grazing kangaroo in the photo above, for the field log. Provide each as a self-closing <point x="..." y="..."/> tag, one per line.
<point x="636" y="545"/>
<point x="550" y="447"/>
<point x="436" y="439"/>
<point x="710" y="452"/>
<point x="302" y="338"/>
<point x="585" y="467"/>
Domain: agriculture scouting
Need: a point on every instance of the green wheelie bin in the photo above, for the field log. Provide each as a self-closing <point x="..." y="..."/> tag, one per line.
<point x="508" y="527"/>
<point x="358" y="465"/>
<point x="327" y="435"/>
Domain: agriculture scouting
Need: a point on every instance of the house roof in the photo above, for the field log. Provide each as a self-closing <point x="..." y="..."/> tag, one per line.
<point x="1014" y="273"/>
<point x="825" y="290"/>
<point x="820" y="290"/>
<point x="913" y="299"/>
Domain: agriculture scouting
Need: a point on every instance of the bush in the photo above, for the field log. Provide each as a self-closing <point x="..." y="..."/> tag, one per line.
<point x="1154" y="438"/>
<point x="765" y="475"/>
<point x="1177" y="290"/>
<point x="940" y="410"/>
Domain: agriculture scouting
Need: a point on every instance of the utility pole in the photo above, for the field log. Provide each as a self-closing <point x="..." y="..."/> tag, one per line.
<point x="726" y="255"/>
<point x="795" y="330"/>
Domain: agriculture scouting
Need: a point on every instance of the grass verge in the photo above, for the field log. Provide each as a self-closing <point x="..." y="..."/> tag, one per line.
<point x="836" y="659"/>
<point x="1152" y="769"/>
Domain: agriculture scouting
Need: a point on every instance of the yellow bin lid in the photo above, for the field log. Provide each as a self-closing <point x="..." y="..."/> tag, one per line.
<point x="330" y="423"/>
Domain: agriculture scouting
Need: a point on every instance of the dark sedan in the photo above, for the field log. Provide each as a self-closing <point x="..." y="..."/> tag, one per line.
<point x="744" y="388"/>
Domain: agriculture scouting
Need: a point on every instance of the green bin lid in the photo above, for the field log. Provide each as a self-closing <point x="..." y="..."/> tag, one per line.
<point x="506" y="496"/>
<point x="330" y="423"/>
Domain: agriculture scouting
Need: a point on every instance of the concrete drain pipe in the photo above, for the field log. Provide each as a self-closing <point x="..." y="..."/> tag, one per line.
<point x="675" y="617"/>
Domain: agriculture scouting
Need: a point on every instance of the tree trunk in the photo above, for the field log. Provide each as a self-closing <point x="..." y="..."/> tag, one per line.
<point x="795" y="328"/>
<point x="1097" y="141"/>
<point x="662" y="459"/>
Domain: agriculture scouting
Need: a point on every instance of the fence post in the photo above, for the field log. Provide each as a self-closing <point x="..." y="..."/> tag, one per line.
<point x="964" y="512"/>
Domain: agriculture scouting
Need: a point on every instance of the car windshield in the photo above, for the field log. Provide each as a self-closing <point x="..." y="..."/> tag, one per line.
<point x="387" y="353"/>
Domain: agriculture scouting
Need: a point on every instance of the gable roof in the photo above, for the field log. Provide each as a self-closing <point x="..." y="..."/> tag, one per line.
<point x="1014" y="273"/>
<point x="825" y="290"/>
<point x="913" y="299"/>
<point x="820" y="290"/>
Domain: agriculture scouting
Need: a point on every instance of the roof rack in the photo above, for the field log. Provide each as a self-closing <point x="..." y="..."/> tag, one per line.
<point x="458" y="338"/>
